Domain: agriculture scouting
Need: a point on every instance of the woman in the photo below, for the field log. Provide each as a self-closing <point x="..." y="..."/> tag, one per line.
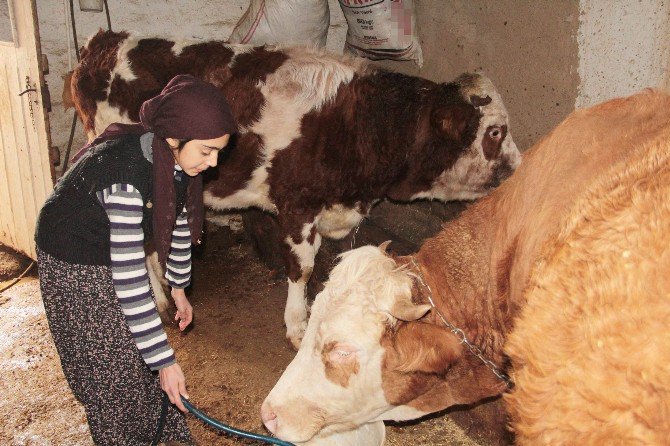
<point x="134" y="183"/>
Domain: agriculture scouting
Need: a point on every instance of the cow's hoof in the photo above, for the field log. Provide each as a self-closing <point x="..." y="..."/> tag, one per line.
<point x="295" y="341"/>
<point x="296" y="331"/>
<point x="295" y="336"/>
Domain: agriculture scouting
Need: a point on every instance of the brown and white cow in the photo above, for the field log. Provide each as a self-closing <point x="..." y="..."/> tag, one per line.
<point x="564" y="268"/>
<point x="322" y="137"/>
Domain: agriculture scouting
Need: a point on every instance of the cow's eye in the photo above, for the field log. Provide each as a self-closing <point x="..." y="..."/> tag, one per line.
<point x="342" y="353"/>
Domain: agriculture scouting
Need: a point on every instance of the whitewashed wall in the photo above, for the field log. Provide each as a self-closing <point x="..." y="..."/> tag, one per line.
<point x="624" y="46"/>
<point x="182" y="19"/>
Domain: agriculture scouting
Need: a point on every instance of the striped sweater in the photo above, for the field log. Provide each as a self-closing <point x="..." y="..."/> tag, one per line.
<point x="123" y="205"/>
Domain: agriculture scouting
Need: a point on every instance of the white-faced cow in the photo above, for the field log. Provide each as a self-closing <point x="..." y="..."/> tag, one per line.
<point x="564" y="268"/>
<point x="322" y="137"/>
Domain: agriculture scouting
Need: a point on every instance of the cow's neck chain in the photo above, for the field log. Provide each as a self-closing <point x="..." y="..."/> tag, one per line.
<point x="460" y="334"/>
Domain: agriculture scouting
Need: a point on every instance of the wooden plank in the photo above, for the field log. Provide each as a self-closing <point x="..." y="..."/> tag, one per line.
<point x="21" y="184"/>
<point x="416" y="221"/>
<point x="7" y="233"/>
<point x="15" y="215"/>
<point x="25" y="170"/>
<point x="41" y="175"/>
<point x="27" y="174"/>
<point x="6" y="226"/>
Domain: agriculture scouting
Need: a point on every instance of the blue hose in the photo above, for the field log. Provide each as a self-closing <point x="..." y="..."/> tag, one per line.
<point x="231" y="430"/>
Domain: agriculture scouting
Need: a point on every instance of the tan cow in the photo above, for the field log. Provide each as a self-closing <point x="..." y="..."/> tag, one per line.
<point x="564" y="267"/>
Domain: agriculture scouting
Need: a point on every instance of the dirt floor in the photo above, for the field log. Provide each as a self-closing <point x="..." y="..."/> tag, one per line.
<point x="232" y="356"/>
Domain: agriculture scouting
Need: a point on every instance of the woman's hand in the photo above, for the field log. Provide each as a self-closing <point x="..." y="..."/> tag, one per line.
<point x="184" y="309"/>
<point x="174" y="384"/>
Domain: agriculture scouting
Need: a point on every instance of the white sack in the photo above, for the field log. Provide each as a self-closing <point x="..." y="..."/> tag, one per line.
<point x="382" y="29"/>
<point x="302" y="22"/>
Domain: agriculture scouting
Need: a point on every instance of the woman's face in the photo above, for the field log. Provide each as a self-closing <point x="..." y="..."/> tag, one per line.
<point x="197" y="154"/>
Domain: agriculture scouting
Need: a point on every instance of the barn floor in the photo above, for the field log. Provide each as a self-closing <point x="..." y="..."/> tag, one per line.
<point x="231" y="357"/>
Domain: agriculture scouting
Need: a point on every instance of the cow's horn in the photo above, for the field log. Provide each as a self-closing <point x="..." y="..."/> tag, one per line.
<point x="400" y="306"/>
<point x="385" y="245"/>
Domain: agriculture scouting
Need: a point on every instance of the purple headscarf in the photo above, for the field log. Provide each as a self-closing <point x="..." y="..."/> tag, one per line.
<point x="187" y="108"/>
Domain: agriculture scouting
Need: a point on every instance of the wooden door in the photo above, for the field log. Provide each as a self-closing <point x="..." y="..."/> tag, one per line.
<point x="26" y="173"/>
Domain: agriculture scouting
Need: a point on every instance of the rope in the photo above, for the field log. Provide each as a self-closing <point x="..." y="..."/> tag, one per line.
<point x="15" y="281"/>
<point x="74" y="115"/>
<point x="69" y="143"/>
<point x="229" y="429"/>
<point x="66" y="10"/>
<point x="74" y="29"/>
<point x="109" y="21"/>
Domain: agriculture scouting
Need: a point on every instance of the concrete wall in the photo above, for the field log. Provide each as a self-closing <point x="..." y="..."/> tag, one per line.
<point x="545" y="56"/>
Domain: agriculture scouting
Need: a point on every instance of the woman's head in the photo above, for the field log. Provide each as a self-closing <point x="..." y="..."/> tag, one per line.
<point x="194" y="118"/>
<point x="196" y="155"/>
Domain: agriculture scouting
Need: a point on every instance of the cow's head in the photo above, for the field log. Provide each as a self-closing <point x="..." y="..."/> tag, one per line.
<point x="366" y="356"/>
<point x="489" y="158"/>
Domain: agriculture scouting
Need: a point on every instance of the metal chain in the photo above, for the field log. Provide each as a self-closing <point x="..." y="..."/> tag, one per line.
<point x="353" y="238"/>
<point x="460" y="334"/>
<point x="29" y="89"/>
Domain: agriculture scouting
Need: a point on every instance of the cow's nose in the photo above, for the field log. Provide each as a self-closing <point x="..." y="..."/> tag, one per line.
<point x="269" y="417"/>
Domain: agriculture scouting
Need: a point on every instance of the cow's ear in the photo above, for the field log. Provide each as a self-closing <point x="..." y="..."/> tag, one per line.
<point x="479" y="101"/>
<point x="422" y="347"/>
<point x="458" y="122"/>
<point x="393" y="292"/>
<point x="406" y="310"/>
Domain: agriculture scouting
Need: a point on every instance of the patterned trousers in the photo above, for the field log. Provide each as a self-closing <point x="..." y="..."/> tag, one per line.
<point x="102" y="365"/>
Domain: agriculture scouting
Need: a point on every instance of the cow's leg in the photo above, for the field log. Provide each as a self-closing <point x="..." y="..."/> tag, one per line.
<point x="300" y="254"/>
<point x="158" y="282"/>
